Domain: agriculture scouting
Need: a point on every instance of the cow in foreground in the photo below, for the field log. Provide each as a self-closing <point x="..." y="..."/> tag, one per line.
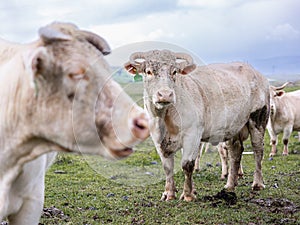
<point x="189" y="104"/>
<point x="284" y="116"/>
<point x="56" y="95"/>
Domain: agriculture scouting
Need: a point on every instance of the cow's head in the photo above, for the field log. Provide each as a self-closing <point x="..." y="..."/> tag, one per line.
<point x="275" y="95"/>
<point x="161" y="69"/>
<point x="74" y="101"/>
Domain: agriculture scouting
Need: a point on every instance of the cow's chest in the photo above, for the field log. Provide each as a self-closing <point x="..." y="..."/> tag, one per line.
<point x="170" y="144"/>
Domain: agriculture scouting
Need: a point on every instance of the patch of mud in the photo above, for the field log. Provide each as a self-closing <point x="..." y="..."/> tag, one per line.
<point x="54" y="212"/>
<point x="277" y="205"/>
<point x="229" y="198"/>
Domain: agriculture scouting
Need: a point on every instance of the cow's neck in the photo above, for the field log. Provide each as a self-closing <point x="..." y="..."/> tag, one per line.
<point x="17" y="144"/>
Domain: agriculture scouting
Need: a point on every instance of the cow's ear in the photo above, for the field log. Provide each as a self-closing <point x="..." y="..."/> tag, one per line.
<point x="280" y="93"/>
<point x="133" y="69"/>
<point x="34" y="61"/>
<point x="188" y="69"/>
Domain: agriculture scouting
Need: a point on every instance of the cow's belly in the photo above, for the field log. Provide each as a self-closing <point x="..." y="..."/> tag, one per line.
<point x="224" y="128"/>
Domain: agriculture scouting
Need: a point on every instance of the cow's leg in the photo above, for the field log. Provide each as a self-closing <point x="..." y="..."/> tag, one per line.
<point x="189" y="155"/>
<point x="31" y="209"/>
<point x="257" y="126"/>
<point x="168" y="166"/>
<point x="188" y="193"/>
<point x="257" y="141"/>
<point x="223" y="152"/>
<point x="235" y="150"/>
<point x="285" y="139"/>
<point x="274" y="141"/>
<point x="241" y="172"/>
<point x="197" y="161"/>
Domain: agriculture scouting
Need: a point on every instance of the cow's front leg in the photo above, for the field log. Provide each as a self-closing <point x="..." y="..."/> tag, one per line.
<point x="188" y="193"/>
<point x="189" y="155"/>
<point x="170" y="189"/>
<point x="31" y="209"/>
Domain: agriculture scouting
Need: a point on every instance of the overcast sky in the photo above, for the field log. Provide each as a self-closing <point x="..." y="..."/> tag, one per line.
<point x="216" y="30"/>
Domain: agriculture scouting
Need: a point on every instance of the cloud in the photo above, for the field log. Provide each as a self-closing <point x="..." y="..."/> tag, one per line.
<point x="284" y="32"/>
<point x="209" y="4"/>
<point x="214" y="29"/>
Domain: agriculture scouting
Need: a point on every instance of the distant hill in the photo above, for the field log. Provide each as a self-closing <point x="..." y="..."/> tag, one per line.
<point x="279" y="68"/>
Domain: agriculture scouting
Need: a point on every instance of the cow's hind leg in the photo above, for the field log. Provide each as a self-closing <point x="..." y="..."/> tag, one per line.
<point x="235" y="150"/>
<point x="257" y="127"/>
<point x="285" y="139"/>
<point x="223" y="153"/>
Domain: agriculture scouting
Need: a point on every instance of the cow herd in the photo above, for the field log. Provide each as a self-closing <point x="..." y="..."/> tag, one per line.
<point x="57" y="96"/>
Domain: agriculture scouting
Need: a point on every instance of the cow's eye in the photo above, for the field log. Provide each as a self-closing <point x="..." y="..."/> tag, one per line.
<point x="78" y="74"/>
<point x="174" y="72"/>
<point x="148" y="72"/>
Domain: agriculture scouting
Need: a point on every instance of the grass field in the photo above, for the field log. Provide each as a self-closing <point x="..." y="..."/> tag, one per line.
<point x="90" y="190"/>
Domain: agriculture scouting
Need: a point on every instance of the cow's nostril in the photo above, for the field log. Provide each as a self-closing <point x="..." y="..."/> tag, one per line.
<point x="140" y="128"/>
<point x="140" y="124"/>
<point x="159" y="94"/>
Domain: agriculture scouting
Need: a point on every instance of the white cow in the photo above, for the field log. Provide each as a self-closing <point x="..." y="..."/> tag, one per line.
<point x="284" y="116"/>
<point x="223" y="153"/>
<point x="189" y="104"/>
<point x="56" y="95"/>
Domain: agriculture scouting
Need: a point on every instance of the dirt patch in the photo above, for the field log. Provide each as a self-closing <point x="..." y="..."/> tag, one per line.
<point x="276" y="205"/>
<point x="229" y="198"/>
<point x="54" y="212"/>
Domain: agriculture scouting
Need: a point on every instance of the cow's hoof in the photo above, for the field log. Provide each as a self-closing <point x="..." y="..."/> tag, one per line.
<point x="188" y="198"/>
<point x="224" y="176"/>
<point x="229" y="188"/>
<point x="258" y="187"/>
<point x="285" y="154"/>
<point x="272" y="154"/>
<point x="166" y="197"/>
<point x="241" y="176"/>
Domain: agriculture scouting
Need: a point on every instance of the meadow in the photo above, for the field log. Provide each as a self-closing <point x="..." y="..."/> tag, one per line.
<point x="89" y="190"/>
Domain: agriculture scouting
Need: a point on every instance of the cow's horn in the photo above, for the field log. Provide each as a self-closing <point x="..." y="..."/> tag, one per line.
<point x="135" y="56"/>
<point x="51" y="33"/>
<point x="281" y="87"/>
<point x="97" y="41"/>
<point x="184" y="56"/>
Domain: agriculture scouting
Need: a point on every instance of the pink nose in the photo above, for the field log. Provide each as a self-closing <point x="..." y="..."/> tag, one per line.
<point x="165" y="96"/>
<point x="140" y="127"/>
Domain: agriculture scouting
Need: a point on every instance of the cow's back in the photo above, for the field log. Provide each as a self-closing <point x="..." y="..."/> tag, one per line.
<point x="230" y="93"/>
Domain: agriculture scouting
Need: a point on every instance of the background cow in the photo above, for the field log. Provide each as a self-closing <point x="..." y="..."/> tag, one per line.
<point x="56" y="95"/>
<point x="223" y="153"/>
<point x="284" y="116"/>
<point x="189" y="104"/>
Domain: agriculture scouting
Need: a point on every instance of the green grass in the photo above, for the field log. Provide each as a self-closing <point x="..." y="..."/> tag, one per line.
<point x="90" y="190"/>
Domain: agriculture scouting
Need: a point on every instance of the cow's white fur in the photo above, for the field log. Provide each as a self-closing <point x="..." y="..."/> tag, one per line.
<point x="213" y="103"/>
<point x="284" y="117"/>
<point x="39" y="117"/>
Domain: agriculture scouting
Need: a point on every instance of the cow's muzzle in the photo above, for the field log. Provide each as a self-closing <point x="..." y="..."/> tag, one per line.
<point x="164" y="98"/>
